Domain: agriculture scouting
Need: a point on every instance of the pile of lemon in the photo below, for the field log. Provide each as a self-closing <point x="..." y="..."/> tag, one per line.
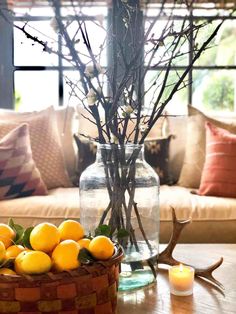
<point x="53" y="248"/>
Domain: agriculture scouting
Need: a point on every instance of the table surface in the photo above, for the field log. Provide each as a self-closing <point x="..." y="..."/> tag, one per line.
<point x="206" y="298"/>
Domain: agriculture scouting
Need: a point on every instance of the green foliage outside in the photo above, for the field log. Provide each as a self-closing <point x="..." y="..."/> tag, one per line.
<point x="215" y="88"/>
<point x="219" y="93"/>
<point x="18" y="100"/>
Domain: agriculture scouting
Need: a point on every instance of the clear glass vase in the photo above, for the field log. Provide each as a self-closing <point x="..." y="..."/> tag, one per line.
<point x="121" y="190"/>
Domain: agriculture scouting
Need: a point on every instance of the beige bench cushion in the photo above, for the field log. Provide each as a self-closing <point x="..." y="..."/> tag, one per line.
<point x="202" y="232"/>
<point x="198" y="207"/>
<point x="213" y="218"/>
<point x="61" y="203"/>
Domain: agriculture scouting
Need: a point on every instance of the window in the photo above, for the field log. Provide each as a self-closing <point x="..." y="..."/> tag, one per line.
<point x="213" y="76"/>
<point x="41" y="79"/>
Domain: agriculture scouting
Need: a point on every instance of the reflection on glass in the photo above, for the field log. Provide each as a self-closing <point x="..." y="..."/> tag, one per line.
<point x="214" y="90"/>
<point x="35" y="90"/>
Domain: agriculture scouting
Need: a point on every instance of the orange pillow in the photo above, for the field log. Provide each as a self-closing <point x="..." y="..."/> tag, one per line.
<point x="218" y="175"/>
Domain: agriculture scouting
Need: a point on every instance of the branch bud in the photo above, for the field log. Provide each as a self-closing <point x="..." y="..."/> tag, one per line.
<point x="114" y="139"/>
<point x="92" y="71"/>
<point x="54" y="25"/>
<point x="142" y="128"/>
<point x="92" y="96"/>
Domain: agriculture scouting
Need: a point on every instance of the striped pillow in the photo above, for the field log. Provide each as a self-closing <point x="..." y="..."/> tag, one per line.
<point x="18" y="174"/>
<point x="219" y="171"/>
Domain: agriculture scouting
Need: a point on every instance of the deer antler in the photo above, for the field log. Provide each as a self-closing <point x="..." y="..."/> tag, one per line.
<point x="207" y="273"/>
<point x="165" y="257"/>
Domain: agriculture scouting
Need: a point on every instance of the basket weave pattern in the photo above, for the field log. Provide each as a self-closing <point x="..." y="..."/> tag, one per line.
<point x="91" y="289"/>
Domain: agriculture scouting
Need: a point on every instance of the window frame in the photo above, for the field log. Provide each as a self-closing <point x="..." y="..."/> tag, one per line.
<point x="8" y="68"/>
<point x="60" y="68"/>
<point x="191" y="18"/>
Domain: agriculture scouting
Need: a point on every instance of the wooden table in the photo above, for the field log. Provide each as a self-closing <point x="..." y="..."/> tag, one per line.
<point x="206" y="299"/>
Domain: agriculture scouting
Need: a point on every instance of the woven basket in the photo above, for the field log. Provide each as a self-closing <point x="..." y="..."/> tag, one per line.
<point x="91" y="289"/>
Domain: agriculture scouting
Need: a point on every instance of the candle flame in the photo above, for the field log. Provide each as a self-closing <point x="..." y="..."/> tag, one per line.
<point x="181" y="268"/>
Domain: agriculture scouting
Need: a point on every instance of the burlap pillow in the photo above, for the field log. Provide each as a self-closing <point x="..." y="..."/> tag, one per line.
<point x="45" y="143"/>
<point x="194" y="159"/>
<point x="67" y="125"/>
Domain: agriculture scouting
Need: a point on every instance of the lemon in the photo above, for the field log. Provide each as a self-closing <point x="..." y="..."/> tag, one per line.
<point x="101" y="247"/>
<point x="2" y="251"/>
<point x="44" y="237"/>
<point x="71" y="230"/>
<point x="32" y="263"/>
<point x="7" y="271"/>
<point x="18" y="261"/>
<point x="65" y="255"/>
<point x="14" y="250"/>
<point x="7" y="235"/>
<point x="84" y="243"/>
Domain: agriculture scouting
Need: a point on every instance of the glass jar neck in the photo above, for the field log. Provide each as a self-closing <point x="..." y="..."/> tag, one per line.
<point x="112" y="152"/>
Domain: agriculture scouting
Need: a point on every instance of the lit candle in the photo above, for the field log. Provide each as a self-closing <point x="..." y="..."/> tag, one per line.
<point x="181" y="279"/>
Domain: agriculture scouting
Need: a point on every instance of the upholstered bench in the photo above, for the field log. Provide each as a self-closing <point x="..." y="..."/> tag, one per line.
<point x="213" y="218"/>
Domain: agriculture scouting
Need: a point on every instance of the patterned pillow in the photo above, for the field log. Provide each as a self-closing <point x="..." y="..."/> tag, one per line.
<point x="218" y="175"/>
<point x="45" y="143"/>
<point x="19" y="176"/>
<point x="156" y="154"/>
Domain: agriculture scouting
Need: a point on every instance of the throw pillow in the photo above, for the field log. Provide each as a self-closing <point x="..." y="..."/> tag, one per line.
<point x="86" y="155"/>
<point x="191" y="171"/>
<point x="45" y="143"/>
<point x="156" y="154"/>
<point x="18" y="174"/>
<point x="160" y="128"/>
<point x="67" y="125"/>
<point x="218" y="175"/>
